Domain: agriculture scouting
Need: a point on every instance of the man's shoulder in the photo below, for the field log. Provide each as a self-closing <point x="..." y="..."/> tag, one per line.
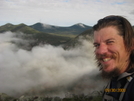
<point x="130" y="91"/>
<point x="130" y="79"/>
<point x="131" y="84"/>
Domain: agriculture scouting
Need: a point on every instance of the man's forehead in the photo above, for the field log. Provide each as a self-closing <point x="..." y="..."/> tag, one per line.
<point x="106" y="33"/>
<point x="104" y="37"/>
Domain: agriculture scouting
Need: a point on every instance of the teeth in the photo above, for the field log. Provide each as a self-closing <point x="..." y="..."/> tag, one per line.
<point x="107" y="59"/>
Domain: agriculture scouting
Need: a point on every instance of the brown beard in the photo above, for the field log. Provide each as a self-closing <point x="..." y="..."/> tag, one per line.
<point x="109" y="75"/>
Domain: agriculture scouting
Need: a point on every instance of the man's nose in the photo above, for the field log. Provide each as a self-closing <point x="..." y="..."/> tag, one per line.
<point x="102" y="49"/>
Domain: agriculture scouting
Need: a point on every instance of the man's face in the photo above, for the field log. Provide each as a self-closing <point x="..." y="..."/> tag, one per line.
<point x="110" y="50"/>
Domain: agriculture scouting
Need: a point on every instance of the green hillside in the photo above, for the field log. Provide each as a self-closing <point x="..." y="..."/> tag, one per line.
<point x="86" y="35"/>
<point x="36" y="36"/>
<point x="18" y="28"/>
<point x="24" y="28"/>
<point x="6" y="27"/>
<point x="44" y="38"/>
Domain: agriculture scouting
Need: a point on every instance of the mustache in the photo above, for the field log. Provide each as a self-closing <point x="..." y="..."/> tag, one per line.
<point x="99" y="57"/>
<point x="105" y="55"/>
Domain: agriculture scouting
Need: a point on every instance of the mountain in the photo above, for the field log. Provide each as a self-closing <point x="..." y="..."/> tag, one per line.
<point x="34" y="37"/>
<point x="6" y="27"/>
<point x="18" y="28"/>
<point x="24" y="28"/>
<point x="75" y="29"/>
<point x="86" y="35"/>
<point x="41" y="33"/>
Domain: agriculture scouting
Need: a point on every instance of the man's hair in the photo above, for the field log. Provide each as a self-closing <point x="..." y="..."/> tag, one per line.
<point x="125" y="30"/>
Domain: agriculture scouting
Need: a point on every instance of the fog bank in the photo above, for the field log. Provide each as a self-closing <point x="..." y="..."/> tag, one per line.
<point x="46" y="67"/>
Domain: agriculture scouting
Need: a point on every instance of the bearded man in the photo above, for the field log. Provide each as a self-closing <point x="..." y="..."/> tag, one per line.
<point x="114" y="51"/>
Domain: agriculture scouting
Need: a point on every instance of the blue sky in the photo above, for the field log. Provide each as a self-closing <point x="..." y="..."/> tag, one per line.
<point x="63" y="12"/>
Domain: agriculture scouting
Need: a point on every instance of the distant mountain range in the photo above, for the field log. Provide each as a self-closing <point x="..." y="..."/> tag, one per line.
<point x="74" y="29"/>
<point x="40" y="27"/>
<point x="47" y="34"/>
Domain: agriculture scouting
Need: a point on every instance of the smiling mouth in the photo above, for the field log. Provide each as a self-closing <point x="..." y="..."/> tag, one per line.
<point x="106" y="59"/>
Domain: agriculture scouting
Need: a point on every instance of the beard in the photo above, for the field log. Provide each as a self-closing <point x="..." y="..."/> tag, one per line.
<point x="107" y="75"/>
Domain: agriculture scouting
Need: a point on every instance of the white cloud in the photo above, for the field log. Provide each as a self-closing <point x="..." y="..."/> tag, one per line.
<point x="44" y="66"/>
<point x="63" y="12"/>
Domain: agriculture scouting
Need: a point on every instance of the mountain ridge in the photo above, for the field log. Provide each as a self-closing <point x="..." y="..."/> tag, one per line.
<point x="74" y="29"/>
<point x="47" y="28"/>
<point x="65" y="37"/>
<point x="36" y="36"/>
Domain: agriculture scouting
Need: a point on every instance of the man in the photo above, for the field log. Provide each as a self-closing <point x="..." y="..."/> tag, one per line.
<point x="114" y="50"/>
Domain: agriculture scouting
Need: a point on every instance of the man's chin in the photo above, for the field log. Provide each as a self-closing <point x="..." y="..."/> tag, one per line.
<point x="110" y="74"/>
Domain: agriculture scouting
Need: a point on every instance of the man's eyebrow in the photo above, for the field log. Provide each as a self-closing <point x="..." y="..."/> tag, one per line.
<point x="95" y="43"/>
<point x="104" y="41"/>
<point x="110" y="39"/>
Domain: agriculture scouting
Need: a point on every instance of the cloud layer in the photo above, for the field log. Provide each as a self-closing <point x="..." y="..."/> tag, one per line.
<point x="63" y="12"/>
<point x="46" y="67"/>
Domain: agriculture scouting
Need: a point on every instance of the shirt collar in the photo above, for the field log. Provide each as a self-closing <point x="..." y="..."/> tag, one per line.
<point x="125" y="74"/>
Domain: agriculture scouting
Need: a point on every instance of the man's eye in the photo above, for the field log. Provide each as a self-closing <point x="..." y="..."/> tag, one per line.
<point x="96" y="45"/>
<point x="109" y="42"/>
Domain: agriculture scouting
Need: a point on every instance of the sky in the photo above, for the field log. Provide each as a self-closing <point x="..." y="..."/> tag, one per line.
<point x="63" y="12"/>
